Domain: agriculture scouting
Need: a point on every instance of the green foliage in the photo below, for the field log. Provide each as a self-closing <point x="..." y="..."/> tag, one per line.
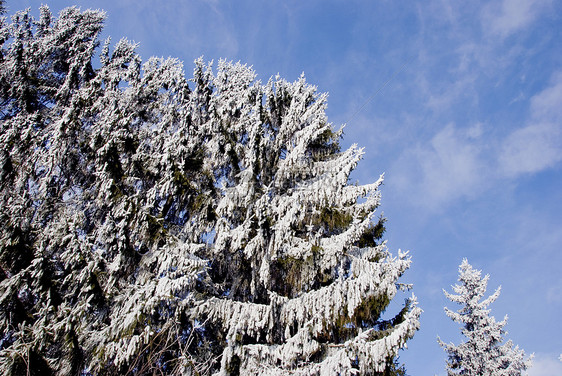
<point x="333" y="219"/>
<point x="373" y="234"/>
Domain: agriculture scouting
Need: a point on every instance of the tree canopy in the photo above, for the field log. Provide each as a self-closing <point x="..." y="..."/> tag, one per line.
<point x="151" y="222"/>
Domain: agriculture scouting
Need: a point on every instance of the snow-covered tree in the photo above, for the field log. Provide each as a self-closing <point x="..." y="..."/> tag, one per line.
<point x="147" y="225"/>
<point x="102" y="200"/>
<point x="301" y="275"/>
<point x="483" y="353"/>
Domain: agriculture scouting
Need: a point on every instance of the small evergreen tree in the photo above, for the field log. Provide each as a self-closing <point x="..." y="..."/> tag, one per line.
<point x="149" y="226"/>
<point x="483" y="354"/>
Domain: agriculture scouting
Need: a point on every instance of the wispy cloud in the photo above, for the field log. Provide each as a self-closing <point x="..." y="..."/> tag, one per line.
<point x="546" y="104"/>
<point x="449" y="166"/>
<point x="175" y="29"/>
<point x="546" y="365"/>
<point x="537" y="145"/>
<point x="457" y="85"/>
<point x="531" y="149"/>
<point x="512" y="15"/>
<point x="461" y="162"/>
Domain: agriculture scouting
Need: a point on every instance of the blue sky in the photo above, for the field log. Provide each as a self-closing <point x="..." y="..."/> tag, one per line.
<point x="468" y="132"/>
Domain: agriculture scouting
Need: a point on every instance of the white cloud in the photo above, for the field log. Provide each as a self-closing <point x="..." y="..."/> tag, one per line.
<point x="475" y="131"/>
<point x="461" y="163"/>
<point x="538" y="145"/>
<point x="546" y="365"/>
<point x="531" y="149"/>
<point x="512" y="15"/>
<point x="450" y="166"/>
<point x="546" y="104"/>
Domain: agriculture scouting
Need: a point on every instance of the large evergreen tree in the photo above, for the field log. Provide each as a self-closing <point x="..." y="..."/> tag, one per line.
<point x="483" y="353"/>
<point x="147" y="225"/>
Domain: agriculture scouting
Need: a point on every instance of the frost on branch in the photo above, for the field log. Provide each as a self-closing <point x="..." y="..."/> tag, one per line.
<point x="150" y="226"/>
<point x="102" y="200"/>
<point x="483" y="353"/>
<point x="302" y="277"/>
